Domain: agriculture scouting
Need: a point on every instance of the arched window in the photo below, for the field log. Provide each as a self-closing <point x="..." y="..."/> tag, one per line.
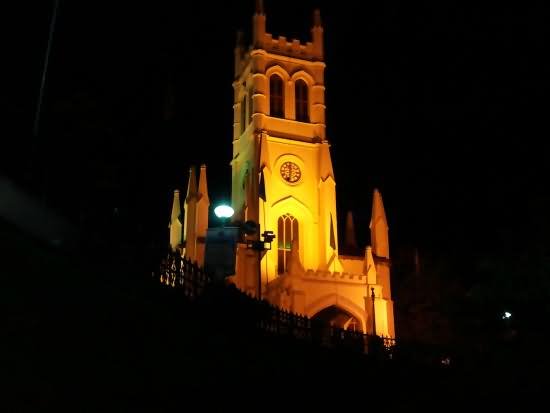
<point x="276" y="102"/>
<point x="243" y="114"/>
<point x="302" y="101"/>
<point x="250" y="104"/>
<point x="287" y="231"/>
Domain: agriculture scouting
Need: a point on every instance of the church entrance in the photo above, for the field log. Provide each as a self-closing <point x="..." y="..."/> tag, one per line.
<point x="335" y="317"/>
<point x="325" y="323"/>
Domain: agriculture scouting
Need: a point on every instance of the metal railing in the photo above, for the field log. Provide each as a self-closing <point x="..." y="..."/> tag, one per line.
<point x="182" y="274"/>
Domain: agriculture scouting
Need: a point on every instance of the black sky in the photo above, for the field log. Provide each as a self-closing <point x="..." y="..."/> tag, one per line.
<point x="442" y="106"/>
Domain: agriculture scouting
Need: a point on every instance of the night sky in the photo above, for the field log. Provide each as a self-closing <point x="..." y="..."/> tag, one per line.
<point x="442" y="106"/>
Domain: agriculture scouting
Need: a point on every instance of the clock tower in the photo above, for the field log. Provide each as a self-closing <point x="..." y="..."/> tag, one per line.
<point x="283" y="180"/>
<point x="282" y="174"/>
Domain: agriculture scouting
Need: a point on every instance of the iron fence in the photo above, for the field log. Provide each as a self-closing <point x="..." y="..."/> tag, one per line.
<point x="182" y="274"/>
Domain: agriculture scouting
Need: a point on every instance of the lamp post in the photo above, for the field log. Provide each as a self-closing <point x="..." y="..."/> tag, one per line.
<point x="259" y="245"/>
<point x="220" y="251"/>
<point x="268" y="237"/>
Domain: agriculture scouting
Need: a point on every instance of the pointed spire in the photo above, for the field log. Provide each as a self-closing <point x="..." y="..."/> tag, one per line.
<point x="317" y="34"/>
<point x="192" y="184"/>
<point x="203" y="185"/>
<point x="176" y="208"/>
<point x="379" y="227"/>
<point x="190" y="226"/>
<point x="317" y="18"/>
<point x="350" y="239"/>
<point x="175" y="222"/>
<point x="260" y="7"/>
<point x="258" y="24"/>
<point x="203" y="204"/>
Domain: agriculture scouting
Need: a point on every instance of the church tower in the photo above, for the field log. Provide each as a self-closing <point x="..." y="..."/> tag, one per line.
<point x="282" y="170"/>
<point x="283" y="180"/>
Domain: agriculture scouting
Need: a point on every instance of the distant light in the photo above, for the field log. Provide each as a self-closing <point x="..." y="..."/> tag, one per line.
<point x="506" y="315"/>
<point x="224" y="211"/>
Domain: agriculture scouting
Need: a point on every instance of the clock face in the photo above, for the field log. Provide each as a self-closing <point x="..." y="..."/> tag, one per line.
<point x="291" y="172"/>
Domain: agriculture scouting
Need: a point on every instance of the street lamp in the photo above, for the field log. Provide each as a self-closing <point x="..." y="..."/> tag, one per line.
<point x="220" y="245"/>
<point x="224" y="212"/>
<point x="260" y="244"/>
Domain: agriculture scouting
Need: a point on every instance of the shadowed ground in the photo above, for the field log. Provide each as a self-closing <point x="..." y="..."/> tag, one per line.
<point x="89" y="329"/>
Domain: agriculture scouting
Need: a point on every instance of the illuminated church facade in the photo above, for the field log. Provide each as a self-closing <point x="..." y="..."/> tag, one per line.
<point x="283" y="179"/>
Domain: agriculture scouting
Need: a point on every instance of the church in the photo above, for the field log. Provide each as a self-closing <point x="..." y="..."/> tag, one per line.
<point x="283" y="180"/>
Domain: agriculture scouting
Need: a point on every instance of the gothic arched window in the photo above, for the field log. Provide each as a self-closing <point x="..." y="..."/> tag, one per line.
<point x="287" y="228"/>
<point x="243" y="114"/>
<point x="302" y="101"/>
<point x="276" y="96"/>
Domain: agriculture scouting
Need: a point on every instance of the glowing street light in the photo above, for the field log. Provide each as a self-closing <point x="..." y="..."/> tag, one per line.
<point x="506" y="315"/>
<point x="224" y="211"/>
